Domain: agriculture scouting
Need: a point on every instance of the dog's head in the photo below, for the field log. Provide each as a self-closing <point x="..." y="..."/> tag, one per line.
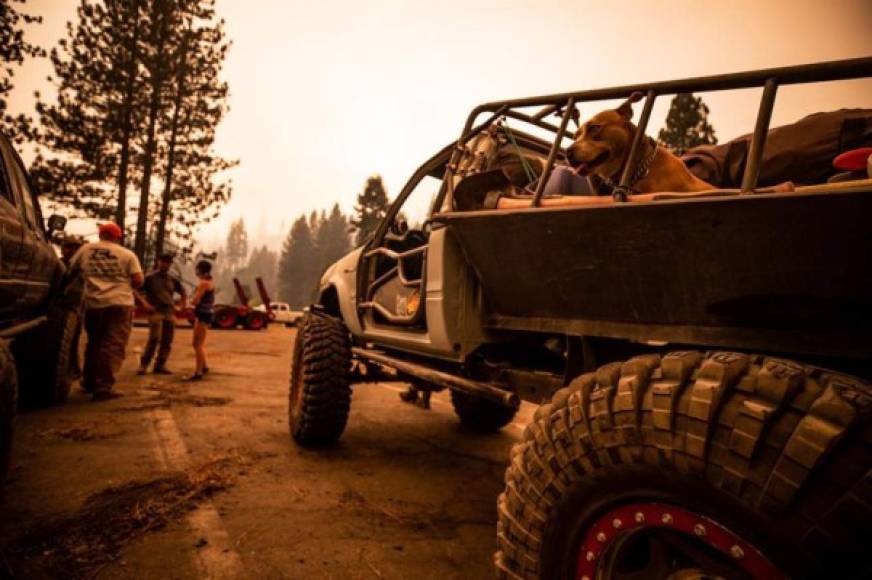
<point x="602" y="143"/>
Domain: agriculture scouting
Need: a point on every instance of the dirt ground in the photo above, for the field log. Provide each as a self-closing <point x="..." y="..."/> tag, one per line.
<point x="201" y="480"/>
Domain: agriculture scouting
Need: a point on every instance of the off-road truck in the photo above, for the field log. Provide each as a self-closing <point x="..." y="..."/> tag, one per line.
<point x="40" y="306"/>
<point x="701" y="362"/>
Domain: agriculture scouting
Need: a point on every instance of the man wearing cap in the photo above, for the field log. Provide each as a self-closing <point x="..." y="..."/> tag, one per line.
<point x="160" y="288"/>
<point x="111" y="272"/>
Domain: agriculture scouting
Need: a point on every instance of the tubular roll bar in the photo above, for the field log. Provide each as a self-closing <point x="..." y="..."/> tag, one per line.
<point x="770" y="79"/>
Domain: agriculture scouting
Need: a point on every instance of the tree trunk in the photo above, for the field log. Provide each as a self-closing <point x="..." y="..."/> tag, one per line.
<point x="171" y="153"/>
<point x="121" y="209"/>
<point x="157" y="78"/>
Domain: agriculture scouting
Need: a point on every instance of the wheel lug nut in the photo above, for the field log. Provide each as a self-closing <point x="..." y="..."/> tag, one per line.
<point x="666" y="519"/>
<point x="616" y="523"/>
<point x="590" y="556"/>
<point x="639" y="517"/>
<point x="736" y="552"/>
<point x="699" y="530"/>
<point x="601" y="537"/>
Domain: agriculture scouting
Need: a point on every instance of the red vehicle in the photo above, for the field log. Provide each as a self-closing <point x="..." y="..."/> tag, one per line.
<point x="230" y="316"/>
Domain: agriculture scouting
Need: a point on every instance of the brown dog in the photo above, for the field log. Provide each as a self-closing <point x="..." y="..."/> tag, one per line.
<point x="603" y="143"/>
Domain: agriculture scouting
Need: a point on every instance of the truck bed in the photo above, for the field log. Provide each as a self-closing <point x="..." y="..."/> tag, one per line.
<point x="786" y="273"/>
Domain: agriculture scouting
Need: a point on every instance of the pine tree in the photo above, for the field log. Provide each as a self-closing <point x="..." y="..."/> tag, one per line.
<point x="236" y="250"/>
<point x="371" y="208"/>
<point x="198" y="104"/>
<point x="86" y="137"/>
<point x="262" y="264"/>
<point x="138" y="102"/>
<point x="296" y="266"/>
<point x="687" y="124"/>
<point x="14" y="49"/>
<point x="331" y="240"/>
<point x="125" y="111"/>
<point x="164" y="19"/>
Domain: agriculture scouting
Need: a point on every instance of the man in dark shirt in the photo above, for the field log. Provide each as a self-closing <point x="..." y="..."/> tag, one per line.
<point x="159" y="301"/>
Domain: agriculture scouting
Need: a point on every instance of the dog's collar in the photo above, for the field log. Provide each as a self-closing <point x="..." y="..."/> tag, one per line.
<point x="641" y="172"/>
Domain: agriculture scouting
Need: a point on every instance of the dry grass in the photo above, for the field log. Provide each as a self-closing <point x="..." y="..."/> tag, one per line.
<point x="180" y="394"/>
<point x="104" y="429"/>
<point x="79" y="546"/>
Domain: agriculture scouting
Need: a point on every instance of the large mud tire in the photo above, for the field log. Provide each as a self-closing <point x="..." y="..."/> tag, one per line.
<point x="8" y="394"/>
<point x="481" y="415"/>
<point x="320" y="391"/>
<point x="44" y="359"/>
<point x="774" y="451"/>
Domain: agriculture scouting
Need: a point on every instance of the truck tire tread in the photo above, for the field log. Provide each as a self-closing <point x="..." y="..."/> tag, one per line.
<point x="789" y="442"/>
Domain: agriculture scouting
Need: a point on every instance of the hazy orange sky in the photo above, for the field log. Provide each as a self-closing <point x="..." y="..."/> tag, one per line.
<point x="324" y="94"/>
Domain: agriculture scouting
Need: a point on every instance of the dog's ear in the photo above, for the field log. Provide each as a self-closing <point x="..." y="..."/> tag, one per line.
<point x="626" y="108"/>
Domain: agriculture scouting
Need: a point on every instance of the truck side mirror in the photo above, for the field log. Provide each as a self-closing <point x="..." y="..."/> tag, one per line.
<point x="56" y="223"/>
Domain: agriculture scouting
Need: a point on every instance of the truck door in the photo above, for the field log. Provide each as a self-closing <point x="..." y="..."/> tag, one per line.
<point x="396" y="266"/>
<point x="35" y="265"/>
<point x="392" y="298"/>
<point x="12" y="274"/>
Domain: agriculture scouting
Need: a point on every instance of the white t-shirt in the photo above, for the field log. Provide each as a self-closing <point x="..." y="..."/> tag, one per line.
<point x="107" y="268"/>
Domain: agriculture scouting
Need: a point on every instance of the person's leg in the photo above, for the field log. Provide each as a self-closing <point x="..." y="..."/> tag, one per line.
<point x="410" y="395"/>
<point x="119" y="321"/>
<point x="168" y="330"/>
<point x="155" y="328"/>
<point x="199" y="335"/>
<point x="94" y="331"/>
<point x="424" y="400"/>
<point x="197" y="342"/>
<point x="75" y="365"/>
<point x="203" y="364"/>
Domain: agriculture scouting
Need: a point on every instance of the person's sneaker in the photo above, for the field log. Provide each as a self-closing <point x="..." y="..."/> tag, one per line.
<point x="162" y="371"/>
<point x="194" y="377"/>
<point x="141" y="370"/>
<point x="205" y="370"/>
<point x="105" y="396"/>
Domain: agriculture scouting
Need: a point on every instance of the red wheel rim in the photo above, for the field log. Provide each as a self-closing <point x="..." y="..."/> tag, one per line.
<point x="226" y="320"/>
<point x="256" y="323"/>
<point x="618" y="523"/>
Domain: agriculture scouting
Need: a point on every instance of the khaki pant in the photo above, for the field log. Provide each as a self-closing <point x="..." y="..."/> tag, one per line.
<point x="161" y="329"/>
<point x="108" y="330"/>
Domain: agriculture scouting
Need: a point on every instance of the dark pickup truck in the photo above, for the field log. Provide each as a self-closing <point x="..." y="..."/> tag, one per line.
<point x="40" y="306"/>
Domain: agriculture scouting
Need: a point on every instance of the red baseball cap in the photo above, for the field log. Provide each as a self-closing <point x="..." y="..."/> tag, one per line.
<point x="110" y="230"/>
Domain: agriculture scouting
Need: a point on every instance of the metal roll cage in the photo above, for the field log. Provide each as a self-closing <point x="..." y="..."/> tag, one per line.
<point x="769" y="79"/>
<point x="444" y="163"/>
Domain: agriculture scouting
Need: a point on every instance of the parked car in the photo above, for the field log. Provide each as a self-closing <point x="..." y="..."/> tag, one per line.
<point x="702" y="364"/>
<point x="40" y="306"/>
<point x="281" y="312"/>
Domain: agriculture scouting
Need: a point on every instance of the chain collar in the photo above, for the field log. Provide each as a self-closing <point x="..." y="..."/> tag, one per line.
<point x="642" y="168"/>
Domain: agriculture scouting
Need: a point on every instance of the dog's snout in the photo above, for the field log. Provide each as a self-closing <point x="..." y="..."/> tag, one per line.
<point x="570" y="154"/>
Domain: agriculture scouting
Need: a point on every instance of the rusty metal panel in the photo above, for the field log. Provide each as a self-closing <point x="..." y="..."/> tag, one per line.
<point x="730" y="270"/>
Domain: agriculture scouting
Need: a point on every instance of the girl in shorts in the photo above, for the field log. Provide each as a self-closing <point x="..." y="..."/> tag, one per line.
<point x="203" y="303"/>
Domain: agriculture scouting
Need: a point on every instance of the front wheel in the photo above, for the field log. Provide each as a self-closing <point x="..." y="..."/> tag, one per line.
<point x="8" y="393"/>
<point x="44" y="357"/>
<point x="319" y="397"/>
<point x="722" y="465"/>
